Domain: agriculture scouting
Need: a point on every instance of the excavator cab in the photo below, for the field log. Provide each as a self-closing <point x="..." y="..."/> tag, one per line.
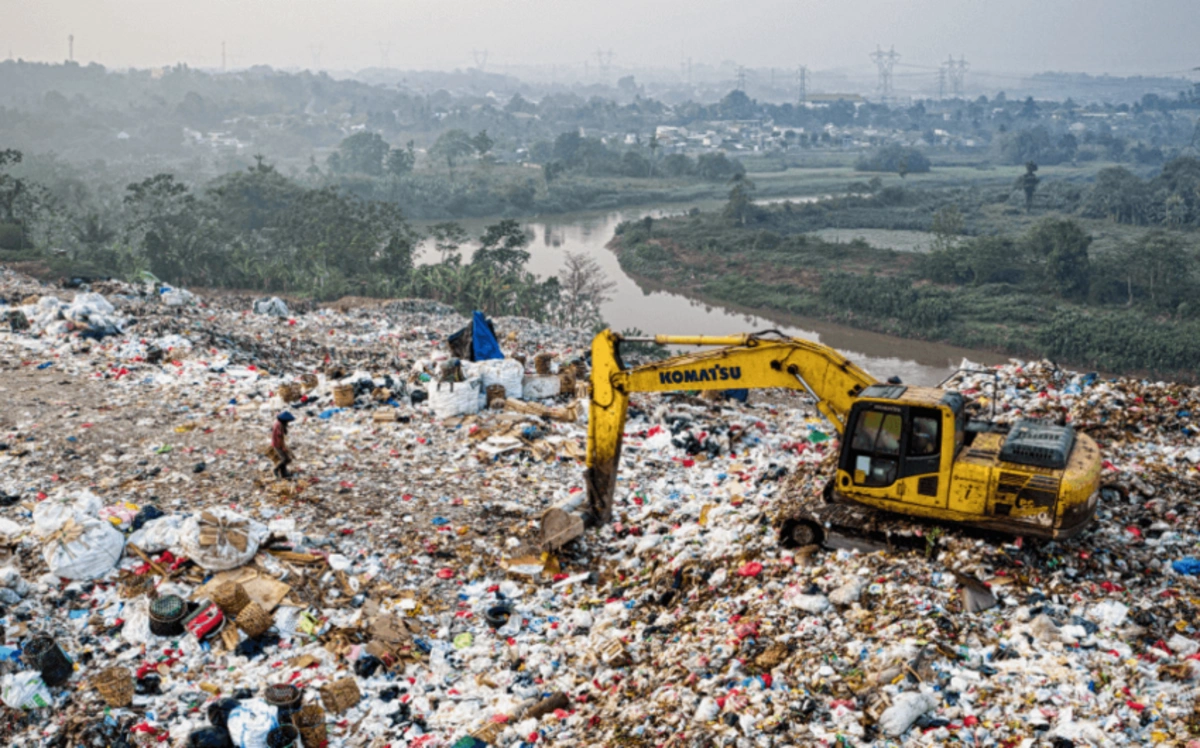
<point x="896" y="441"/>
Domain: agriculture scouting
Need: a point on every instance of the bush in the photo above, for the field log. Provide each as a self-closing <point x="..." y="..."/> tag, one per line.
<point x="894" y="157"/>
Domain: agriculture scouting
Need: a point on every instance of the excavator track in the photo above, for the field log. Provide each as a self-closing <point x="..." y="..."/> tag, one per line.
<point x="839" y="523"/>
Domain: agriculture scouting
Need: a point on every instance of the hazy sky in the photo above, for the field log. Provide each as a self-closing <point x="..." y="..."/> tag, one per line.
<point x="1116" y="36"/>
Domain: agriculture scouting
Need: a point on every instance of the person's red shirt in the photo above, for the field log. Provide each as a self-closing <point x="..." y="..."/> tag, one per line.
<point x="277" y="436"/>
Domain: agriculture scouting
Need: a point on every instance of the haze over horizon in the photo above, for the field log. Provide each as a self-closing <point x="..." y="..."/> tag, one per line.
<point x="1094" y="36"/>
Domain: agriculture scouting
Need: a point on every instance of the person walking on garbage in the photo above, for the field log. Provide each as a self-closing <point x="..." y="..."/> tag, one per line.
<point x="281" y="455"/>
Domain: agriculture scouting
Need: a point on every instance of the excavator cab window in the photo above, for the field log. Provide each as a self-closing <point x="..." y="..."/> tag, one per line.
<point x="875" y="446"/>
<point x="889" y="442"/>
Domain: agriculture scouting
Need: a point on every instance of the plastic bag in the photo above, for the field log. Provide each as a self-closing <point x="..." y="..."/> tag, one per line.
<point x="10" y="531"/>
<point x="53" y="513"/>
<point x="250" y="723"/>
<point x="87" y="306"/>
<point x="450" y="399"/>
<point x="158" y="534"/>
<point x="83" y="548"/>
<point x="273" y="306"/>
<point x="905" y="709"/>
<point x="24" y="690"/>
<point x="218" y="538"/>
<point x="507" y="372"/>
<point x="178" y="297"/>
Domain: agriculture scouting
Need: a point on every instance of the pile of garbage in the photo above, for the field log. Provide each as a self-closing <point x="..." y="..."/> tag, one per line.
<point x="159" y="585"/>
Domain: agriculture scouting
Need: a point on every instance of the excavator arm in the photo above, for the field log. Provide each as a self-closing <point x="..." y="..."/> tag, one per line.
<point x="748" y="361"/>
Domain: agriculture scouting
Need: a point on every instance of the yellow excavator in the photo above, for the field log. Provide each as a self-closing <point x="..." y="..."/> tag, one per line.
<point x="905" y="450"/>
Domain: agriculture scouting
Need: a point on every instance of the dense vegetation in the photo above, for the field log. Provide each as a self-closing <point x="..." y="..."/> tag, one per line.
<point x="1044" y="291"/>
<point x="256" y="229"/>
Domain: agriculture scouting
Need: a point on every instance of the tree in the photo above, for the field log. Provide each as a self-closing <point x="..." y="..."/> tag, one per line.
<point x="447" y="238"/>
<point x="716" y="166"/>
<point x="13" y="190"/>
<point x="482" y="143"/>
<point x="1160" y="267"/>
<point x="453" y="145"/>
<point x="741" y="208"/>
<point x="585" y="289"/>
<point x="362" y="153"/>
<point x="678" y="165"/>
<point x="502" y="247"/>
<point x="946" y="228"/>
<point x="1028" y="182"/>
<point x="552" y="169"/>
<point x="401" y="162"/>
<point x="894" y="157"/>
<point x="1063" y="246"/>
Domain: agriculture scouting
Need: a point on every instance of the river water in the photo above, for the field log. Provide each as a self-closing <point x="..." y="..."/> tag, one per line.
<point x="654" y="310"/>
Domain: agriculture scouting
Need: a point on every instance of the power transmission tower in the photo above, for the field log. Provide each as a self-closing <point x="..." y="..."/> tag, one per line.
<point x="603" y="61"/>
<point x="222" y="57"/>
<point x="686" y="65"/>
<point x="942" y="82"/>
<point x="315" y="51"/>
<point x="480" y="56"/>
<point x="957" y="72"/>
<point x="741" y="78"/>
<point x="385" y="49"/>
<point x="885" y="61"/>
<point x="802" y="74"/>
<point x="71" y="47"/>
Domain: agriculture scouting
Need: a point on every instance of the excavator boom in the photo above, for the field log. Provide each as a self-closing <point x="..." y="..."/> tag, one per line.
<point x="750" y="361"/>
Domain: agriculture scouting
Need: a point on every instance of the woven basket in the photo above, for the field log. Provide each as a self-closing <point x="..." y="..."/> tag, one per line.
<point x="115" y="686"/>
<point x="289" y="392"/>
<point x="167" y="614"/>
<point x="308" y="382"/>
<point x="284" y="697"/>
<point x="231" y="598"/>
<point x="340" y="695"/>
<point x="488" y="733"/>
<point x="310" y="721"/>
<point x="343" y="396"/>
<point x="541" y="364"/>
<point x="496" y="393"/>
<point x="254" y="620"/>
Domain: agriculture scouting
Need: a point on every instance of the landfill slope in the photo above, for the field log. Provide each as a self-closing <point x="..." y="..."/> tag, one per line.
<point x="402" y="559"/>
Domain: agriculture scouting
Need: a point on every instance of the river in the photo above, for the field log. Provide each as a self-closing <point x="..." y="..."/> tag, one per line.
<point x="659" y="311"/>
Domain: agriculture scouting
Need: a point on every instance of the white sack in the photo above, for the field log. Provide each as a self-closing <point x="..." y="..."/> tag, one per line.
<point x="540" y="388"/>
<point x="53" y="513"/>
<point x="89" y="551"/>
<point x="450" y="399"/>
<point x="507" y="372"/>
<point x="219" y="539"/>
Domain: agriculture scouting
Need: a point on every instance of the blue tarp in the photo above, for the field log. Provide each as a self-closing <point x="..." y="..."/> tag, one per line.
<point x="483" y="342"/>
